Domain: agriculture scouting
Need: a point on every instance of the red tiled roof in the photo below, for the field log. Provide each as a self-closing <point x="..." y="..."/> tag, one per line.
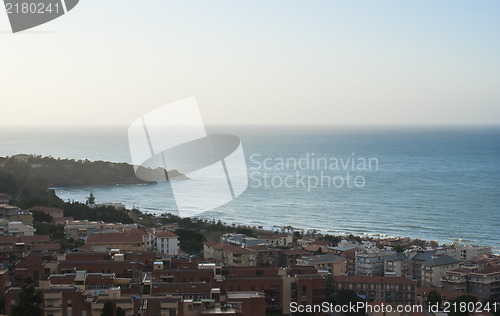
<point x="47" y="246"/>
<point x="223" y="246"/>
<point x="129" y="236"/>
<point x="8" y="240"/>
<point x="488" y="270"/>
<point x="295" y="252"/>
<point x="165" y="233"/>
<point x="321" y="243"/>
<point x="28" y="240"/>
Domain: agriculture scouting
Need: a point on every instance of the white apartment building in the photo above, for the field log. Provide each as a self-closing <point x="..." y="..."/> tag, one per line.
<point x="166" y="243"/>
<point x="469" y="252"/>
<point x="370" y="259"/>
<point x="20" y="229"/>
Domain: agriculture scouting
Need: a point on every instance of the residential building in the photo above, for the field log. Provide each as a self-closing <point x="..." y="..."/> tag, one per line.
<point x="131" y="240"/>
<point x="277" y="240"/>
<point x="20" y="229"/>
<point x="166" y="243"/>
<point x="241" y="240"/>
<point x="482" y="282"/>
<point x="470" y="252"/>
<point x="289" y="257"/>
<point x="434" y="268"/>
<point x="397" y="265"/>
<point x="229" y="255"/>
<point x="370" y="261"/>
<point x="79" y="229"/>
<point x="395" y="290"/>
<point x="52" y="211"/>
<point x="266" y="255"/>
<point x="334" y="264"/>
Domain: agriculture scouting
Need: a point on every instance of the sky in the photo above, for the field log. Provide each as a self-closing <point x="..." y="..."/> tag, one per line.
<point x="257" y="62"/>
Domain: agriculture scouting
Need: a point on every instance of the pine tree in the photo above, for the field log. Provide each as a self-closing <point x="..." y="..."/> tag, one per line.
<point x="91" y="199"/>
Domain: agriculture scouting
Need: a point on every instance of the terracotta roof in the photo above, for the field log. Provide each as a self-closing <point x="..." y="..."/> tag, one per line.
<point x="223" y="246"/>
<point x="488" y="270"/>
<point x="129" y="236"/>
<point x="295" y="252"/>
<point x="263" y="248"/>
<point x="8" y="240"/>
<point x="321" y="242"/>
<point x="28" y="240"/>
<point x="165" y="233"/>
<point x="47" y="246"/>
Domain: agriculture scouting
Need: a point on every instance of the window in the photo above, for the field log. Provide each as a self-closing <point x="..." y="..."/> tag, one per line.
<point x="69" y="303"/>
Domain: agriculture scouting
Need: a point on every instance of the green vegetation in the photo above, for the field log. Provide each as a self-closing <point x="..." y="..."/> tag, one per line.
<point x="346" y="297"/>
<point x="107" y="309"/>
<point x="434" y="298"/>
<point x="191" y="241"/>
<point x="330" y="288"/>
<point x="98" y="213"/>
<point x="39" y="217"/>
<point x="51" y="172"/>
<point x="29" y="300"/>
<point x="466" y="298"/>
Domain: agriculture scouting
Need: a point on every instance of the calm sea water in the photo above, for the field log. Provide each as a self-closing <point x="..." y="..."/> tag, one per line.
<point x="436" y="183"/>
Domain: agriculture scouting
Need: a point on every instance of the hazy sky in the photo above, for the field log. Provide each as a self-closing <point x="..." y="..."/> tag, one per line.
<point x="325" y="62"/>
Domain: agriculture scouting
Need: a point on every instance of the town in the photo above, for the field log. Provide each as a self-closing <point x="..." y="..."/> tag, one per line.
<point x="161" y="266"/>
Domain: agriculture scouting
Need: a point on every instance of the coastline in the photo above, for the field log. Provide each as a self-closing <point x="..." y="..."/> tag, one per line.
<point x="303" y="229"/>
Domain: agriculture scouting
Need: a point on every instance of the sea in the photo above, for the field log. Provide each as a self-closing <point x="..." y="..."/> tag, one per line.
<point x="437" y="183"/>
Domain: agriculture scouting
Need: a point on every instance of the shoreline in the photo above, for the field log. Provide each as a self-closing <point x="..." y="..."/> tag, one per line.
<point x="310" y="230"/>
